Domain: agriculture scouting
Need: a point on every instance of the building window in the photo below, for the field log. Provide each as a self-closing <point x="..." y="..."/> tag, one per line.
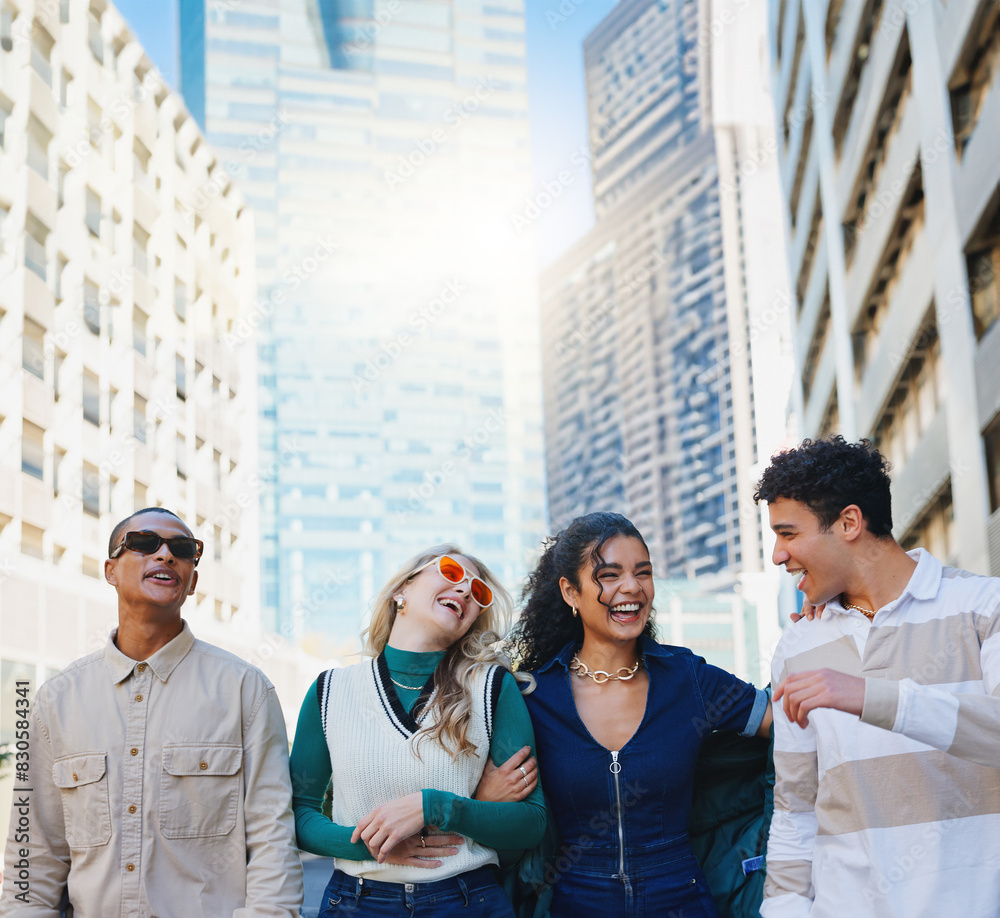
<point x="90" y="488"/>
<point x="816" y="346"/>
<point x="95" y="37"/>
<point x="935" y="529"/>
<point x="142" y="176"/>
<point x="180" y="300"/>
<point x="64" y="84"/>
<point x="869" y="21"/>
<point x="7" y="14"/>
<point x="92" y="307"/>
<point x="139" y="334"/>
<point x="39" y="138"/>
<point x="180" y="374"/>
<point x="36" y="234"/>
<point x="41" y="52"/>
<point x="182" y="464"/>
<point x="33" y="348"/>
<point x="140" y="258"/>
<point x="32" y="541"/>
<point x="217" y="543"/>
<point x="914" y="402"/>
<point x="6" y="107"/>
<point x="991" y="440"/>
<point x="909" y="224"/>
<point x="139" y="418"/>
<point x="93" y="216"/>
<point x="32" y="450"/>
<point x="977" y="67"/>
<point x="983" y="264"/>
<point x="91" y="399"/>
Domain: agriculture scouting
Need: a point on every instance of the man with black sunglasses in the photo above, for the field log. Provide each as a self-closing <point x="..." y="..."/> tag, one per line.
<point x="158" y="766"/>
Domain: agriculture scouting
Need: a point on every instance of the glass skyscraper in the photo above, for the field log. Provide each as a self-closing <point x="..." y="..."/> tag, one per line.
<point x="666" y="343"/>
<point x="383" y="147"/>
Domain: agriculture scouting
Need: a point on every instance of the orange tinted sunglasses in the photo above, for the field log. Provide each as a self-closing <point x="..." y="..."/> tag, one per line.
<point x="453" y="572"/>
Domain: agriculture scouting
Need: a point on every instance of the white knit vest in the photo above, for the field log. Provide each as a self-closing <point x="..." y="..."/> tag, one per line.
<point x="370" y="737"/>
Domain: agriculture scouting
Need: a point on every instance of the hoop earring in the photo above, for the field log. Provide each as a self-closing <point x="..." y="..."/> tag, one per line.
<point x="401" y="604"/>
<point x="575" y="613"/>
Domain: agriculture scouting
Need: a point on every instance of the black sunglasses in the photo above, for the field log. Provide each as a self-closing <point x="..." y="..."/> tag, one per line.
<point x="145" y="542"/>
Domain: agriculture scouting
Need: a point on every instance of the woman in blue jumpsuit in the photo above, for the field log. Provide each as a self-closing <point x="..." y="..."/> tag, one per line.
<point x="619" y="720"/>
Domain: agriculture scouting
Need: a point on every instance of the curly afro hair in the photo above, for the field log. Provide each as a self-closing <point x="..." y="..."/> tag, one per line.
<point x="547" y="623"/>
<point x="828" y="475"/>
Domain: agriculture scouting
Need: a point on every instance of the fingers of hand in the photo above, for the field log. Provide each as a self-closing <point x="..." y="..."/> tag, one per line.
<point x="442" y="841"/>
<point x="359" y="829"/>
<point x="519" y="757"/>
<point x="412" y="861"/>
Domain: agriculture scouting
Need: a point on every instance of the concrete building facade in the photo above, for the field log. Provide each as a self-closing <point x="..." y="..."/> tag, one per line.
<point x="123" y="375"/>
<point x="889" y="117"/>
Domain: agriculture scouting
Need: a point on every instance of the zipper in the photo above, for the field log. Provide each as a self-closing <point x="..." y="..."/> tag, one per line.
<point x="616" y="768"/>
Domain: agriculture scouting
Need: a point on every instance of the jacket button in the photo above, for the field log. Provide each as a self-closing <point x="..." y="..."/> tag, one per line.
<point x="133" y="751"/>
<point x="130" y="867"/>
<point x="138" y="697"/>
<point x="131" y="809"/>
<point x="75" y="778"/>
<point x="141" y="667"/>
<point x="203" y="766"/>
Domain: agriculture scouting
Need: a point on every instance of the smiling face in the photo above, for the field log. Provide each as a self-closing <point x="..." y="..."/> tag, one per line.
<point x="817" y="557"/>
<point x="617" y="606"/>
<point x="157" y="582"/>
<point x="437" y="612"/>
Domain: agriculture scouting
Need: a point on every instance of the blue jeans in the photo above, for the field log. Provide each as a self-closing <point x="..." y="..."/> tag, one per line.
<point x="475" y="893"/>
<point x="663" y="880"/>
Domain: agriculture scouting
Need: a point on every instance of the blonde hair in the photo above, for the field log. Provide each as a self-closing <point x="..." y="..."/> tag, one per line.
<point x="450" y="711"/>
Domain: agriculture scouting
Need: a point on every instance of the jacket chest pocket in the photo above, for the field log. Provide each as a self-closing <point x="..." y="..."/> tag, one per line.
<point x="82" y="779"/>
<point x="199" y="789"/>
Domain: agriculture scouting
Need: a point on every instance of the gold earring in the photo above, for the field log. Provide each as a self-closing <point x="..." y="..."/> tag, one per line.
<point x="574" y="612"/>
<point x="400" y="603"/>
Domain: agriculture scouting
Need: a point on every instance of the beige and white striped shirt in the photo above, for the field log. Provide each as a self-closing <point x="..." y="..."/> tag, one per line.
<point x="895" y="814"/>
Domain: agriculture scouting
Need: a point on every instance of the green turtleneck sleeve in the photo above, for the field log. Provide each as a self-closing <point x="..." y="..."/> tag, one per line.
<point x="501" y="826"/>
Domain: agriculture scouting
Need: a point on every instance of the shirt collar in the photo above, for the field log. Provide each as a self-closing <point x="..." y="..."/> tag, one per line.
<point x="162" y="663"/>
<point x="649" y="649"/>
<point x="923" y="584"/>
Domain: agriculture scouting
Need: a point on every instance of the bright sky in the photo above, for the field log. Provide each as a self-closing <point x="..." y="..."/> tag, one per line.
<point x="556" y="29"/>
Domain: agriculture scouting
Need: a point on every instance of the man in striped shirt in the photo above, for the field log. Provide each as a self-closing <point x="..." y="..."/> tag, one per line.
<point x="887" y="740"/>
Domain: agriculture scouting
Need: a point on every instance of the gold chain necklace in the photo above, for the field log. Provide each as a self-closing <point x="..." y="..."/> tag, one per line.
<point x="867" y="613"/>
<point x="412" y="688"/>
<point x="622" y="674"/>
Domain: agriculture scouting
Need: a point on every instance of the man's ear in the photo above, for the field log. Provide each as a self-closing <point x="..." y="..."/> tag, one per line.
<point x="109" y="572"/>
<point x="194" y="583"/>
<point x="851" y="522"/>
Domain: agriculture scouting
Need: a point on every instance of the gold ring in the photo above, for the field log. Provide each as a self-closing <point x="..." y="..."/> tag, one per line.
<point x="423" y="842"/>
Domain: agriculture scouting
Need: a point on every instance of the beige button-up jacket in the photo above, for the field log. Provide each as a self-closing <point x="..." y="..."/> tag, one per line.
<point x="156" y="789"/>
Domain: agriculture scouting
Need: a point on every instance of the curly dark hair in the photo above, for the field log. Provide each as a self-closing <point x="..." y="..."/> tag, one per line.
<point x="547" y="623"/>
<point x="828" y="475"/>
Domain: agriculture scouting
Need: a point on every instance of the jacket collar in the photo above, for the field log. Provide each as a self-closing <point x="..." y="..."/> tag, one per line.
<point x="162" y="663"/>
<point x="648" y="648"/>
